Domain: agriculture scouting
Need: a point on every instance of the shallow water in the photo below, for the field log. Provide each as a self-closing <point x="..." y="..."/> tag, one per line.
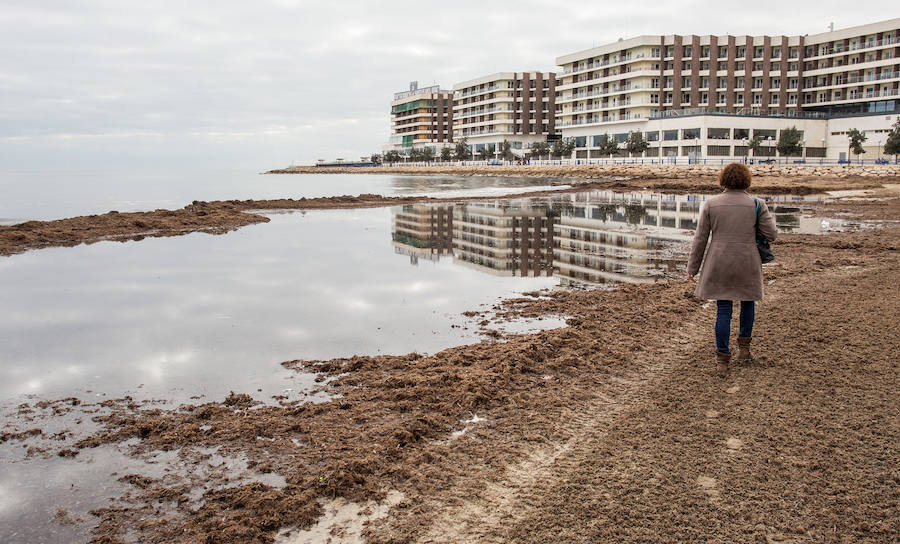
<point x="56" y="195"/>
<point x="188" y="319"/>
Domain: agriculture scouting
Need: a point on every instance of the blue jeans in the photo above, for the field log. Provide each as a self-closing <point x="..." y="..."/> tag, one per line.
<point x="723" y="322"/>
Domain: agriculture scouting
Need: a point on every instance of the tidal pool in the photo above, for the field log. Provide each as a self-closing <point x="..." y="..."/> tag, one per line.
<point x="191" y="318"/>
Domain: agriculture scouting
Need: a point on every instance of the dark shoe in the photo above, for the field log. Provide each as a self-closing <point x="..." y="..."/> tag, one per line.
<point x="743" y="355"/>
<point x="722" y="363"/>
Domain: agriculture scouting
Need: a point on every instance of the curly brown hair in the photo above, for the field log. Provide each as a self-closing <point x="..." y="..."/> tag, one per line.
<point x="735" y="176"/>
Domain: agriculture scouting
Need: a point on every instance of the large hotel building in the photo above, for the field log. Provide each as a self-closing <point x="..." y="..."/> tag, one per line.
<point x="701" y="96"/>
<point x="707" y="95"/>
<point x="518" y="107"/>
<point x="421" y="117"/>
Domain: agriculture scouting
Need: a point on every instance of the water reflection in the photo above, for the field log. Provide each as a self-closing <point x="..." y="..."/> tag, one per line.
<point x="580" y="238"/>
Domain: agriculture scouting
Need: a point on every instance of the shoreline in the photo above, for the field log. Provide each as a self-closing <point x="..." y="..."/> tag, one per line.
<point x="632" y="170"/>
<point x="219" y="217"/>
<point x="613" y="428"/>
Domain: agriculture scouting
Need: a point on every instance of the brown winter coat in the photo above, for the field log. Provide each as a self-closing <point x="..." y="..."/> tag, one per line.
<point x="732" y="269"/>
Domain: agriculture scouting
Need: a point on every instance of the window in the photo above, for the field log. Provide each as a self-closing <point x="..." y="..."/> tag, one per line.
<point x="652" y="136"/>
<point x="686" y="83"/>
<point x="620" y="138"/>
<point x="654" y="83"/>
<point x="723" y="66"/>
<point x="776" y="83"/>
<point x="685" y="98"/>
<point x="654" y="52"/>
<point x="723" y="51"/>
<point x="669" y="135"/>
<point x="704" y="82"/>
<point x="718" y="150"/>
<point x="738" y="83"/>
<point x="705" y="52"/>
<point x="741" y="133"/>
<point x="776" y="52"/>
<point x="690" y="133"/>
<point x="687" y="51"/>
<point x="741" y="51"/>
<point x="718" y="133"/>
<point x="764" y="133"/>
<point x="722" y="83"/>
<point x="758" y="53"/>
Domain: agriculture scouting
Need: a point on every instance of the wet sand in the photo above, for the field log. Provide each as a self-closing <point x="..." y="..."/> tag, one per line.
<point x="614" y="428"/>
<point x="219" y="217"/>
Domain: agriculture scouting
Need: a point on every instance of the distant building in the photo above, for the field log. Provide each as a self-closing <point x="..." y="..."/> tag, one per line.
<point x="706" y="95"/>
<point x="421" y="117"/>
<point x="514" y="106"/>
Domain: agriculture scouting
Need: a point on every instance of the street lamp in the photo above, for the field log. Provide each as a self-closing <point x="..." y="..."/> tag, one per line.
<point x="803" y="150"/>
<point x="746" y="142"/>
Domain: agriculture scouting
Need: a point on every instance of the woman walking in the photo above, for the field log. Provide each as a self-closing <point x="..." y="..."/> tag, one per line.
<point x="732" y="269"/>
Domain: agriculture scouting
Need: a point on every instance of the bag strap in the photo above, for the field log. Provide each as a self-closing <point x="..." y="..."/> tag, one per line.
<point x="757" y="211"/>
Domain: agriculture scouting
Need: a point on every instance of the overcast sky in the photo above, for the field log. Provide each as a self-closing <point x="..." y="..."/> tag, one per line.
<point x="118" y="83"/>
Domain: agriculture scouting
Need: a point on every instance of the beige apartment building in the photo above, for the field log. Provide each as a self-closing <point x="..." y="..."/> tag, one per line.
<point x="518" y="107"/>
<point x="736" y="84"/>
<point x="421" y="117"/>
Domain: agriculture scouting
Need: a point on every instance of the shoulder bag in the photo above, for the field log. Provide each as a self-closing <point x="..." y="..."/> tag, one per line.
<point x="762" y="245"/>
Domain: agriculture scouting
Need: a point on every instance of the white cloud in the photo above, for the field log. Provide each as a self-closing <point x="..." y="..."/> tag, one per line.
<point x="261" y="84"/>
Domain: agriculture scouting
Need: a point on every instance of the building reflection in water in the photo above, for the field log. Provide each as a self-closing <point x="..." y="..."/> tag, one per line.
<point x="582" y="238"/>
<point x="422" y="231"/>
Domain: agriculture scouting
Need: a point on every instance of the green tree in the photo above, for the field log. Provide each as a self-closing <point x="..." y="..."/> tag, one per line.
<point x="428" y="154"/>
<point x="392" y="156"/>
<point x="892" y="145"/>
<point x="486" y="153"/>
<point x="563" y="148"/>
<point x="446" y="154"/>
<point x="856" y="138"/>
<point x="461" y="150"/>
<point x="506" y="151"/>
<point x="375" y="158"/>
<point x="789" y="143"/>
<point x="636" y="144"/>
<point x="415" y="155"/>
<point x="541" y="149"/>
<point x="607" y="146"/>
<point x="754" y="143"/>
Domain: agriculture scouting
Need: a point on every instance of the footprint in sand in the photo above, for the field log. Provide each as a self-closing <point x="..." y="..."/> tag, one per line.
<point x="734" y="444"/>
<point x="712" y="414"/>
<point x="708" y="485"/>
<point x="733" y="389"/>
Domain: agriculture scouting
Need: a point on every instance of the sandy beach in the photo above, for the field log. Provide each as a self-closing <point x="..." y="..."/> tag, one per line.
<point x="614" y="428"/>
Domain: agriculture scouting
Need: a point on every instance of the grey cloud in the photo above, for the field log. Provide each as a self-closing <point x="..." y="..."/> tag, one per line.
<point x="261" y="84"/>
